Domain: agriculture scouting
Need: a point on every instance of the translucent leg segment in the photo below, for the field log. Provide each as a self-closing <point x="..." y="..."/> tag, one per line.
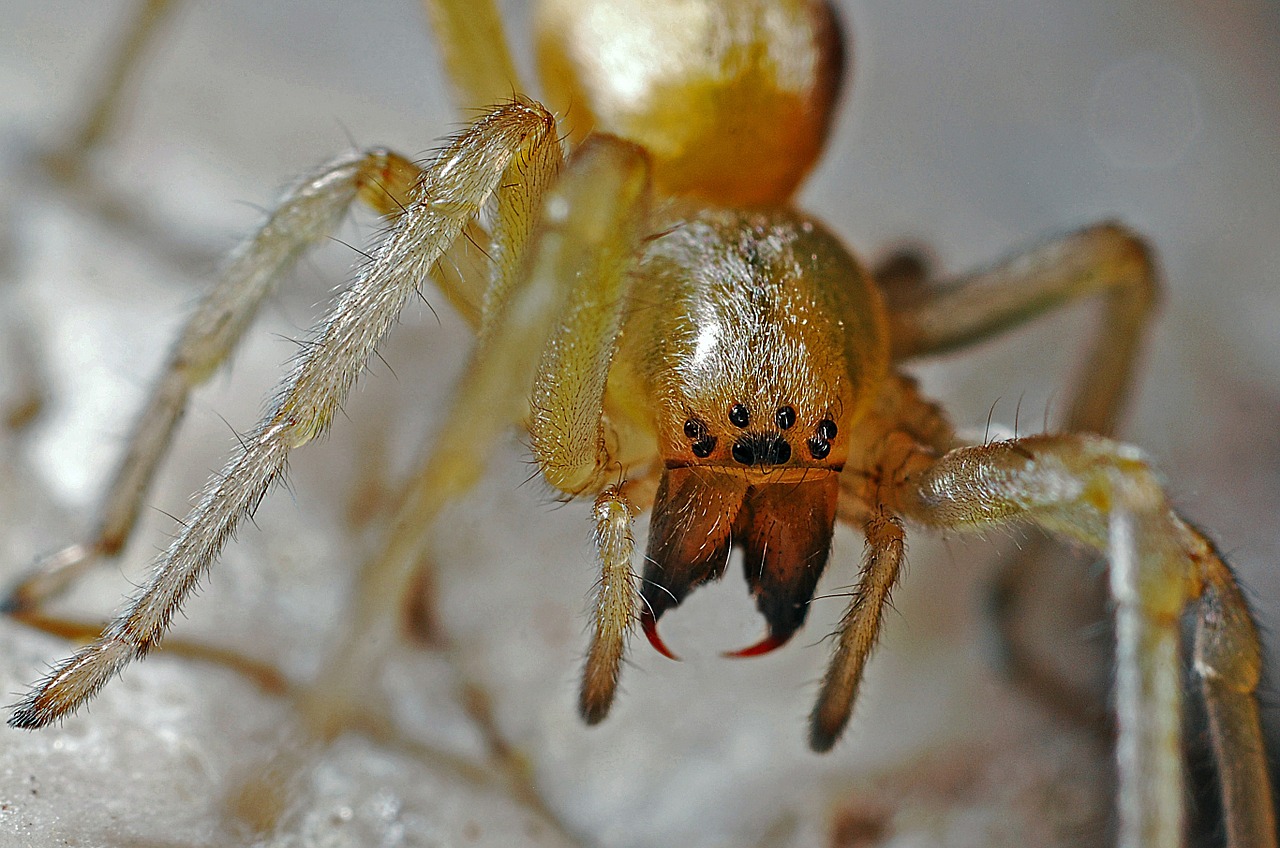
<point x="474" y="48"/>
<point x="453" y="189"/>
<point x="1104" y="495"/>
<point x="306" y="214"/>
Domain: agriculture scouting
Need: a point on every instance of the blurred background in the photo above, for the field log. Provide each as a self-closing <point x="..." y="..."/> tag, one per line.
<point x="971" y="127"/>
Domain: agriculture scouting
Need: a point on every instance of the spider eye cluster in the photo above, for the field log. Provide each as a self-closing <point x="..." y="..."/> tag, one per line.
<point x="759" y="448"/>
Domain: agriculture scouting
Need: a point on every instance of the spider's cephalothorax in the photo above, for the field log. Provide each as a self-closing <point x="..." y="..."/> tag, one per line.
<point x="672" y="333"/>
<point x="769" y="352"/>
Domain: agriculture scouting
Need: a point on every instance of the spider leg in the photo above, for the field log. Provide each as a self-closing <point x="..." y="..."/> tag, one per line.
<point x="591" y="231"/>
<point x="616" y="604"/>
<point x="23" y="393"/>
<point x="104" y="109"/>
<point x="309" y="211"/>
<point x="565" y="299"/>
<point x="859" y="630"/>
<point x="266" y="677"/>
<point x="474" y="49"/>
<point x="470" y="36"/>
<point x="493" y="152"/>
<point x="1105" y="261"/>
<point x="1228" y="659"/>
<point x="1104" y="495"/>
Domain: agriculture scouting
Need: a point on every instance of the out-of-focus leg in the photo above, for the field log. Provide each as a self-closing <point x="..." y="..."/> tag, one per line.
<point x="474" y="48"/>
<point x="493" y="153"/>
<point x="1228" y="659"/>
<point x="1105" y="260"/>
<point x="306" y="215"/>
<point x="1104" y="494"/>
<point x="111" y="90"/>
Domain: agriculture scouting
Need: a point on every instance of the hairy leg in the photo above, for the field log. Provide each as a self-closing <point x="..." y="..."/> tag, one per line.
<point x="306" y="215"/>
<point x="616" y="605"/>
<point x="1105" y="495"/>
<point x="571" y="286"/>
<point x="491" y="153"/>
<point x="492" y="396"/>
<point x="859" y="630"/>
<point x="1054" y="652"/>
<point x="589" y="246"/>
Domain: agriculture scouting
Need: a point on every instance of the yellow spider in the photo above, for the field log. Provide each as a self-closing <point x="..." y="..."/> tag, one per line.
<point x="677" y="336"/>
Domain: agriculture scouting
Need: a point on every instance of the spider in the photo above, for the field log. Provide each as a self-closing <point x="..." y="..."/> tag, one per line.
<point x="730" y="365"/>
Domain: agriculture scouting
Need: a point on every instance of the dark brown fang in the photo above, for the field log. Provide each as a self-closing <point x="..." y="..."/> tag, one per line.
<point x="689" y="534"/>
<point x="784" y="529"/>
<point x="785" y="533"/>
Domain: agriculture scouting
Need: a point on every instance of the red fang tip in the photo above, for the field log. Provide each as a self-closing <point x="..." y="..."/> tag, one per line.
<point x="759" y="649"/>
<point x="650" y="626"/>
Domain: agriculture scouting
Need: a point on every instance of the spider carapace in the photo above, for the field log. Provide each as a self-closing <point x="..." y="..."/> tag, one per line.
<point x="773" y="353"/>
<point x="674" y="334"/>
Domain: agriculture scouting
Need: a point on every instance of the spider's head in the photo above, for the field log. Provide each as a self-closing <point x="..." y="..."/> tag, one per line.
<point x="760" y="363"/>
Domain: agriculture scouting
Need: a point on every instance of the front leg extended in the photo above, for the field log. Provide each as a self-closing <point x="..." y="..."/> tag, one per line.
<point x="1105" y="495"/>
<point x="456" y="186"/>
<point x="562" y="293"/>
<point x="307" y="214"/>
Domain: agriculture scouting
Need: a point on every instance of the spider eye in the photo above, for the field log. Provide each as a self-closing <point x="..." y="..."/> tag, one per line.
<point x="738" y="416"/>
<point x="820" y="445"/>
<point x="786" y="418"/>
<point x="695" y="429"/>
